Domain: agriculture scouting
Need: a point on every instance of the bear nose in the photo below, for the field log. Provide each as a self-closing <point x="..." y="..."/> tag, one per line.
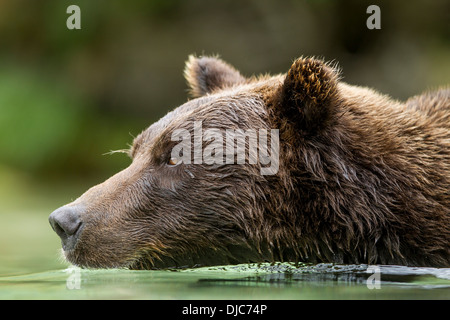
<point x="66" y="222"/>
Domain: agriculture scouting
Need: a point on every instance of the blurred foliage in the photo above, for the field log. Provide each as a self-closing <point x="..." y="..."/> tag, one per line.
<point x="37" y="119"/>
<point x="69" y="96"/>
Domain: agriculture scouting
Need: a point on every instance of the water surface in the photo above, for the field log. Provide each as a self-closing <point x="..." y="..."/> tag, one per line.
<point x="262" y="281"/>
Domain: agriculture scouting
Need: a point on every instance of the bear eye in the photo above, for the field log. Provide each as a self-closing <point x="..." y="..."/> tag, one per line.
<point x="173" y="162"/>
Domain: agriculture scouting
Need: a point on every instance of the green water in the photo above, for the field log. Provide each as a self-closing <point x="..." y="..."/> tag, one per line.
<point x="237" y="282"/>
<point x="31" y="268"/>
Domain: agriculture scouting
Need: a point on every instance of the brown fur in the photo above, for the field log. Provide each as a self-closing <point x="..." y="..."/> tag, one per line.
<point x="362" y="179"/>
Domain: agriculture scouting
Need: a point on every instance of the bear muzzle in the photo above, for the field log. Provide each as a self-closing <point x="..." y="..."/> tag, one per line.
<point x="67" y="224"/>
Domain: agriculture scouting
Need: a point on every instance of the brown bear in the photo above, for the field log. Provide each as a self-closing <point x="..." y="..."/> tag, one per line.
<point x="359" y="178"/>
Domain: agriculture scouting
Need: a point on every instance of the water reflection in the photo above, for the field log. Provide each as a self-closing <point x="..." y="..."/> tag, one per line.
<point x="256" y="281"/>
<point x="336" y="275"/>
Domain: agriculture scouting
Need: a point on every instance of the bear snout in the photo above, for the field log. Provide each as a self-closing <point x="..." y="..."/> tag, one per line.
<point x="67" y="224"/>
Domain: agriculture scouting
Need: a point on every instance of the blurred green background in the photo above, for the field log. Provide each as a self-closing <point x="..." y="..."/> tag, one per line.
<point x="67" y="97"/>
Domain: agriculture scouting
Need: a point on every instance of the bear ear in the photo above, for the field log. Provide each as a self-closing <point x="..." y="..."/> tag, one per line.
<point x="207" y="74"/>
<point x="308" y="95"/>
